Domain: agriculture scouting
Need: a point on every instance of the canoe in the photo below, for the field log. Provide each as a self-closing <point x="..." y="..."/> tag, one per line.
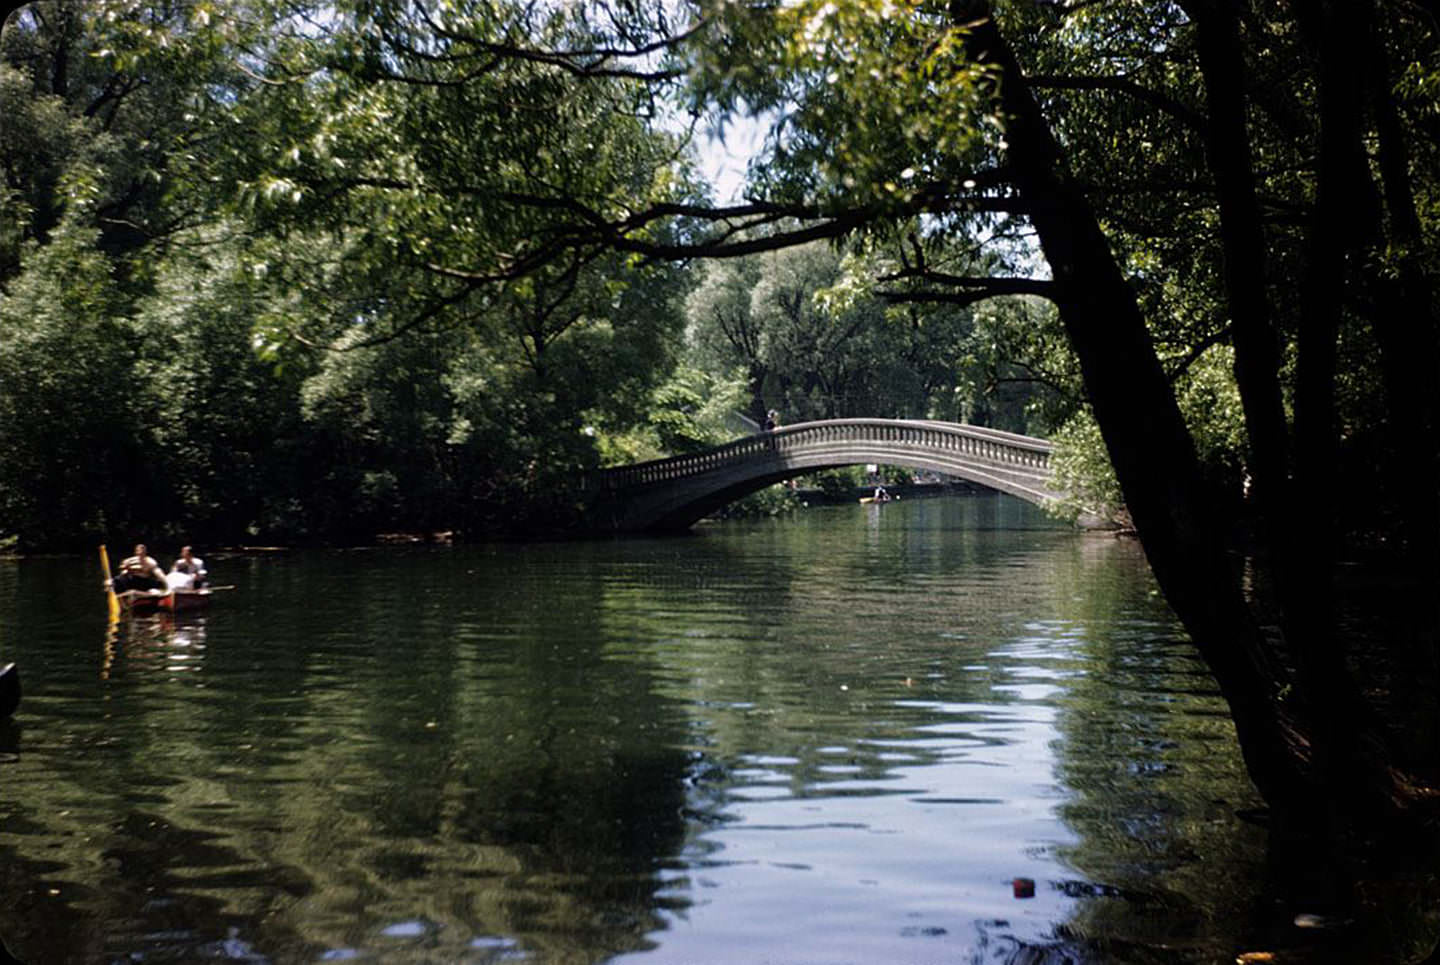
<point x="9" y="690"/>
<point x="872" y="499"/>
<point x="152" y="601"/>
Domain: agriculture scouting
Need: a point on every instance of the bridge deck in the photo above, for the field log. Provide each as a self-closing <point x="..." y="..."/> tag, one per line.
<point x="677" y="491"/>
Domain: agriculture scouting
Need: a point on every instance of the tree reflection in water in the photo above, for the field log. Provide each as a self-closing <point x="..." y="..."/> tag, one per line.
<point x="816" y="741"/>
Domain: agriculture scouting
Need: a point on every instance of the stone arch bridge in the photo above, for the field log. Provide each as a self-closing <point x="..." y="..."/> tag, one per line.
<point x="674" y="493"/>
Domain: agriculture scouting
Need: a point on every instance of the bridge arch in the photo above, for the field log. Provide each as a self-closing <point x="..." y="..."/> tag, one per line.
<point x="674" y="493"/>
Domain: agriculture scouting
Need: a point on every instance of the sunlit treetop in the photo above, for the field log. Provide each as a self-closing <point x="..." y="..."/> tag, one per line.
<point x="872" y="101"/>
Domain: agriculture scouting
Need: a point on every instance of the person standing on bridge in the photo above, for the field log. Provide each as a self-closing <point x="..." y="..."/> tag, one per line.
<point x="772" y="421"/>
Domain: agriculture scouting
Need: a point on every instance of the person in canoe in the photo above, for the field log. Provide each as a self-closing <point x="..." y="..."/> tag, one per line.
<point x="187" y="572"/>
<point x="139" y="572"/>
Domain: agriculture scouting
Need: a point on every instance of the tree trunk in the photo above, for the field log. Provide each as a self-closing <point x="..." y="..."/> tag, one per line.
<point x="1152" y="452"/>
<point x="1257" y="356"/>
<point x="1299" y="520"/>
<point x="1408" y="327"/>
<point x="1408" y="333"/>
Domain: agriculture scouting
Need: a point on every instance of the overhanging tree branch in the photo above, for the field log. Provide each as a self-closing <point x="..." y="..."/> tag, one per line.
<point x="1183" y="113"/>
<point x="1197" y="351"/>
<point x="972" y="289"/>
<point x="586" y="62"/>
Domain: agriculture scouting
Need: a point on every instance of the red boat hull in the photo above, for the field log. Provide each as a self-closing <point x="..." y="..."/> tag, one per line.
<point x="141" y="601"/>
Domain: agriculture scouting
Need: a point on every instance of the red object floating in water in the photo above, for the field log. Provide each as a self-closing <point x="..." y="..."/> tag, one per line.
<point x="1024" y="887"/>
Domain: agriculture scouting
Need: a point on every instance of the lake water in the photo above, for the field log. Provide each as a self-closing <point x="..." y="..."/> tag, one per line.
<point x="945" y="730"/>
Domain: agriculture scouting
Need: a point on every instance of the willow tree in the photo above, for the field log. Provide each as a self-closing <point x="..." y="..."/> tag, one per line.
<point x="403" y="171"/>
<point x="102" y="131"/>
<point x="185" y="183"/>
<point x="819" y="336"/>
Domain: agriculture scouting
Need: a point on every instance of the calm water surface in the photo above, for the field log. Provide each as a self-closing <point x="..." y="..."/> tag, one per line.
<point x="837" y="738"/>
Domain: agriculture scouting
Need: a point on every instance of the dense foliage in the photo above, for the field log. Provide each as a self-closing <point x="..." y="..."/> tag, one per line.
<point x="242" y="308"/>
<point x="815" y="339"/>
<point x="270" y="274"/>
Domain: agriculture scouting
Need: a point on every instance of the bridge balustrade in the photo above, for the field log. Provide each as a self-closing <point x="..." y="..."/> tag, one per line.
<point x="985" y="445"/>
<point x="674" y="492"/>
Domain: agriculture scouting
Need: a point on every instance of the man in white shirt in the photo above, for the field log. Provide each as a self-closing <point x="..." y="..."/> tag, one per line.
<point x="189" y="565"/>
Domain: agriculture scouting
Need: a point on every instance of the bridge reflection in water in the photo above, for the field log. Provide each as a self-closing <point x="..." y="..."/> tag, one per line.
<point x="676" y="492"/>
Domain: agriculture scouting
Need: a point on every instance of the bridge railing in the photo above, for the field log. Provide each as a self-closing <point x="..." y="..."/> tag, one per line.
<point x="1002" y="449"/>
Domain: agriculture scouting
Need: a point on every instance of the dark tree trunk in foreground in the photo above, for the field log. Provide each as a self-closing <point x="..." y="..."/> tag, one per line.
<point x="1153" y="454"/>
<point x="1314" y="749"/>
<point x="1256" y="343"/>
<point x="1293" y="501"/>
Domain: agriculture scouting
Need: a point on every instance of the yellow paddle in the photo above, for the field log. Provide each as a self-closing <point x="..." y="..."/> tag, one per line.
<point x="111" y="598"/>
